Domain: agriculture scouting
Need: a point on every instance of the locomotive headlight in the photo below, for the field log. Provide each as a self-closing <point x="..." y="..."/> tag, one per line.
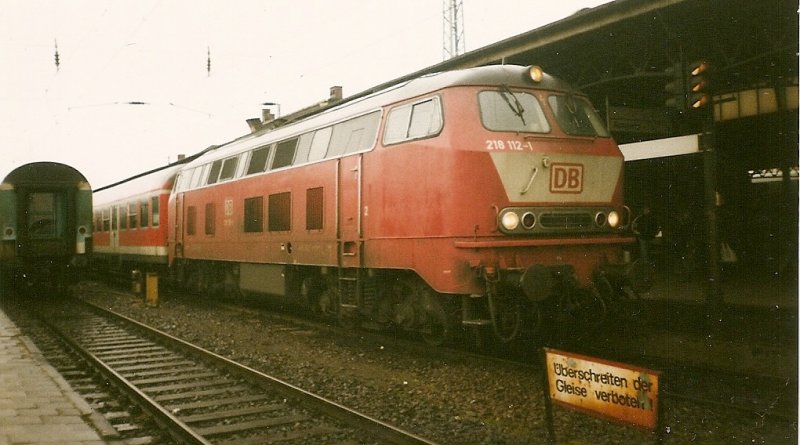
<point x="509" y="220"/>
<point x="536" y="74"/>
<point x="613" y="219"/>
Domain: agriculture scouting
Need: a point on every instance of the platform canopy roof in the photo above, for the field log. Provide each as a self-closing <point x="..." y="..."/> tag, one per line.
<point x="617" y="52"/>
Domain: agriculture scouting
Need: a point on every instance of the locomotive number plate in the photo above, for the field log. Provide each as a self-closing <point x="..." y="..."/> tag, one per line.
<point x="566" y="178"/>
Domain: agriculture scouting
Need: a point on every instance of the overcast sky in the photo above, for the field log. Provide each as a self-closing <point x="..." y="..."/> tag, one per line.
<point x="113" y="52"/>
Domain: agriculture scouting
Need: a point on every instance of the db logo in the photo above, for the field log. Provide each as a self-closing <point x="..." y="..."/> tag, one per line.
<point x="566" y="178"/>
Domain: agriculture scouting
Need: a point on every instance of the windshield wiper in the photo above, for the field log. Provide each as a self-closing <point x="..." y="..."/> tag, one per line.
<point x="516" y="107"/>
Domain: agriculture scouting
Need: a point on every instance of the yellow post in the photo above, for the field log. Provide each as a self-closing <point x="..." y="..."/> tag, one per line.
<point x="151" y="297"/>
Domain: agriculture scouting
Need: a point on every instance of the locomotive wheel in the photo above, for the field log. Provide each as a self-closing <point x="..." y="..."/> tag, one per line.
<point x="436" y="329"/>
<point x="507" y="317"/>
<point x="587" y="307"/>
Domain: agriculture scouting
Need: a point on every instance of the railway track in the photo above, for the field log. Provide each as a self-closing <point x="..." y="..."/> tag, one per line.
<point x="201" y="397"/>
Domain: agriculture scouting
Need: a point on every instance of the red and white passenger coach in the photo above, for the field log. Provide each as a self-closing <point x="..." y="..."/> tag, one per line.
<point x="477" y="197"/>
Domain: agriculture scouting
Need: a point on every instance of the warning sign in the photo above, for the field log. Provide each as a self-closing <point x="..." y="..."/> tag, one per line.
<point x="615" y="390"/>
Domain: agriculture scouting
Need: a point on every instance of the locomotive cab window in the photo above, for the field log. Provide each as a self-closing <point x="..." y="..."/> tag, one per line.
<point x="413" y="121"/>
<point x="576" y="116"/>
<point x="506" y="110"/>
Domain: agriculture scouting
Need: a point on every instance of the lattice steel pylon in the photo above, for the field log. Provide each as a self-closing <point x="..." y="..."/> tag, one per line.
<point x="453" y="40"/>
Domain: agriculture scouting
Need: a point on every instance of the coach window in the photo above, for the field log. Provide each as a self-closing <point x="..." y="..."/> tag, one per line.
<point x="314" y="208"/>
<point x="254" y="214"/>
<point x="132" y="211"/>
<point x="191" y="220"/>
<point x="106" y="214"/>
<point x="284" y="154"/>
<point x="413" y="121"/>
<point x="211" y="220"/>
<point x="114" y="218"/>
<point x="123" y="217"/>
<point x="144" y="214"/>
<point x="156" y="215"/>
<point x="258" y="160"/>
<point x="280" y="212"/>
<point x="505" y="110"/>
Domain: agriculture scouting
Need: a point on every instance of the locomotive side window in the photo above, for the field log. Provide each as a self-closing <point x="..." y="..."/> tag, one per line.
<point x="314" y="208"/>
<point x="228" y="168"/>
<point x="280" y="212"/>
<point x="254" y="214"/>
<point x="191" y="220"/>
<point x="156" y="215"/>
<point x="211" y="219"/>
<point x="144" y="214"/>
<point x="319" y="145"/>
<point x="303" y="147"/>
<point x="413" y="121"/>
<point x="354" y="135"/>
<point x="195" y="178"/>
<point x="284" y="154"/>
<point x="505" y="110"/>
<point x="258" y="160"/>
<point x="213" y="175"/>
<point x="576" y="116"/>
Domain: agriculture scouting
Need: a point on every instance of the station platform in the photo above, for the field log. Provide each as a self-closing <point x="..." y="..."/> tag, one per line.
<point x="37" y="406"/>
<point x="755" y="329"/>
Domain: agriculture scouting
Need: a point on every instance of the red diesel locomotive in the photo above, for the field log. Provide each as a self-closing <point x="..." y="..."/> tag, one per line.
<point x="476" y="197"/>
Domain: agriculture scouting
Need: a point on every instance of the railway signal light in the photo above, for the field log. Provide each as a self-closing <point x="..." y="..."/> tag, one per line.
<point x="676" y="87"/>
<point x="697" y="85"/>
<point x="688" y="85"/>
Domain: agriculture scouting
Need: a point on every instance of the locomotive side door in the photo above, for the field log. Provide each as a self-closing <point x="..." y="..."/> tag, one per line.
<point x="177" y="235"/>
<point x="349" y="231"/>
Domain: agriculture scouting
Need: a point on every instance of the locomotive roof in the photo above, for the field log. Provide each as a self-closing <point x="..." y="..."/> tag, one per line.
<point x="492" y="75"/>
<point x="45" y="173"/>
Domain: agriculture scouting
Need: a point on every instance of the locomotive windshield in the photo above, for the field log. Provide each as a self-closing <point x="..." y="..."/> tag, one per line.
<point x="576" y="116"/>
<point x="505" y="110"/>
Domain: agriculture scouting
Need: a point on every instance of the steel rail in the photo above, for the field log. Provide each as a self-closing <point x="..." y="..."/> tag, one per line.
<point x="174" y="426"/>
<point x="377" y="428"/>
